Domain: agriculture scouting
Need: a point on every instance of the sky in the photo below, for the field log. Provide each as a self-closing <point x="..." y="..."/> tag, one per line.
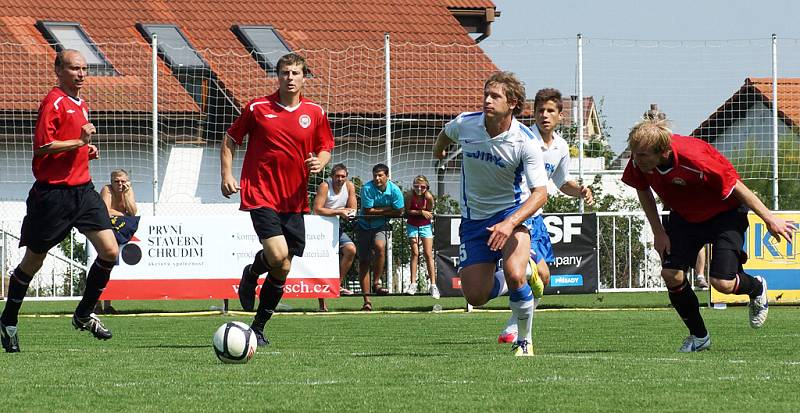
<point x="688" y="56"/>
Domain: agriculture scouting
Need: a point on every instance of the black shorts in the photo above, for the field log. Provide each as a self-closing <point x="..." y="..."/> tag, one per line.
<point x="725" y="232"/>
<point x="53" y="210"/>
<point x="268" y="223"/>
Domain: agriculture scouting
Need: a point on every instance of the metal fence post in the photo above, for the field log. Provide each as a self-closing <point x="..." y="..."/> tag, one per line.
<point x="775" y="122"/>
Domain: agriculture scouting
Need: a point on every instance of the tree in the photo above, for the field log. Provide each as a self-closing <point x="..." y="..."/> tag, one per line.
<point x="594" y="146"/>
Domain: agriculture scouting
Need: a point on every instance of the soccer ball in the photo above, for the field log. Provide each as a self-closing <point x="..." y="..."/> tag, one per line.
<point x="234" y="342"/>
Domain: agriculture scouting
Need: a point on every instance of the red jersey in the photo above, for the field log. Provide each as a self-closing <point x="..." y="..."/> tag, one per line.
<point x="274" y="174"/>
<point x="699" y="184"/>
<point x="419" y="203"/>
<point x="61" y="118"/>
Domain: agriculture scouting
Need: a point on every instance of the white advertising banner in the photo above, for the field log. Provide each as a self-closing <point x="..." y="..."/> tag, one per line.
<point x="199" y="257"/>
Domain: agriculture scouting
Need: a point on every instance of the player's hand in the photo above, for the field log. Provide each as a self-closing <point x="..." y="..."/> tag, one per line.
<point x="780" y="228"/>
<point x="87" y="131"/>
<point x="440" y="155"/>
<point x="427" y="214"/>
<point x="229" y="186"/>
<point x="94" y="153"/>
<point x="661" y="243"/>
<point x="313" y="164"/>
<point x="587" y="195"/>
<point x="499" y="234"/>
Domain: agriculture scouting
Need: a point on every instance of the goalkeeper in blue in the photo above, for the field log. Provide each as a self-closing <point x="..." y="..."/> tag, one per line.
<point x="503" y="183"/>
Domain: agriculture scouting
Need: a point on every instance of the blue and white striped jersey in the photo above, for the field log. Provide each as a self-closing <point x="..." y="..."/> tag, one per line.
<point x="496" y="173"/>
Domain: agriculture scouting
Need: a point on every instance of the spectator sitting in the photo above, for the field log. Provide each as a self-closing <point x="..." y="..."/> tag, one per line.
<point x="121" y="203"/>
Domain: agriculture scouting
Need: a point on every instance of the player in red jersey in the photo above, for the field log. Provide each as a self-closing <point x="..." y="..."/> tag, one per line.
<point x="289" y="137"/>
<point x="63" y="197"/>
<point x="709" y="205"/>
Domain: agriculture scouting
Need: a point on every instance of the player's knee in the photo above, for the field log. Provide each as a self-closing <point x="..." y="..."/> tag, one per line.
<point x="108" y="252"/>
<point x="31" y="263"/>
<point x="722" y="285"/>
<point x="672" y="278"/>
<point x="476" y="298"/>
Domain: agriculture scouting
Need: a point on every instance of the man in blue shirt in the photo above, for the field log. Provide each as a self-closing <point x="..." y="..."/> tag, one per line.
<point x="381" y="199"/>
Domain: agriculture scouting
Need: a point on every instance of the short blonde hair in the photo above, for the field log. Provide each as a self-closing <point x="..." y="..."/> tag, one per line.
<point x="422" y="178"/>
<point x="653" y="134"/>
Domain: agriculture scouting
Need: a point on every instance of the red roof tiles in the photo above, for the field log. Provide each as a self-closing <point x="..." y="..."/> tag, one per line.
<point x="341" y="39"/>
<point x="754" y="90"/>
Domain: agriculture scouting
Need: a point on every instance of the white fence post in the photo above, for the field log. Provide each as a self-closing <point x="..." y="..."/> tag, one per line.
<point x="775" y="122"/>
<point x="155" y="122"/>
<point x="388" y="72"/>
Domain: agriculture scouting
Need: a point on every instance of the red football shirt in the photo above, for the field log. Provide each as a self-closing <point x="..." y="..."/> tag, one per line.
<point x="274" y="174"/>
<point x="699" y="184"/>
<point x="60" y="119"/>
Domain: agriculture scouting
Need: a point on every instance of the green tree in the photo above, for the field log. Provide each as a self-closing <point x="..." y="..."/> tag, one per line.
<point x="594" y="146"/>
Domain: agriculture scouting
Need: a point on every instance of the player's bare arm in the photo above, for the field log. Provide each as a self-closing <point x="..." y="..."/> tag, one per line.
<point x="502" y="231"/>
<point x="229" y="184"/>
<point x="316" y="163"/>
<point x="661" y="240"/>
<point x="64" y="146"/>
<point x="574" y="190"/>
<point x="777" y="226"/>
<point x="440" y="147"/>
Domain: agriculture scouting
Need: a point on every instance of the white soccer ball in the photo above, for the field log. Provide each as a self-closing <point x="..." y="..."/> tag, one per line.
<point x="234" y="342"/>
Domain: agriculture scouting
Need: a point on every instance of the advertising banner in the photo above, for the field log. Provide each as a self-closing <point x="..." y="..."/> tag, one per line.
<point x="574" y="238"/>
<point x="774" y="259"/>
<point x="202" y="257"/>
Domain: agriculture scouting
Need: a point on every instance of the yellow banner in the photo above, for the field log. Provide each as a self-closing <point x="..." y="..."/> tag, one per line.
<point x="775" y="259"/>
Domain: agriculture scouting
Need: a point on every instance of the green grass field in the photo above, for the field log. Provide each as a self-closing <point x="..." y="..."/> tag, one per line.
<point x="604" y="359"/>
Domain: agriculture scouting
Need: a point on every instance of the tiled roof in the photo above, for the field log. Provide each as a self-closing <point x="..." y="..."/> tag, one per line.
<point x="469" y="4"/>
<point x="754" y="90"/>
<point x="353" y="74"/>
<point x="588" y="104"/>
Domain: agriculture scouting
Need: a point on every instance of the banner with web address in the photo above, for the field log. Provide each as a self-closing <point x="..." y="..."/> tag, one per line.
<point x="202" y="257"/>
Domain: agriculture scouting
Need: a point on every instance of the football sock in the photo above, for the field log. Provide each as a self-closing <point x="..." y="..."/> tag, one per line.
<point x="511" y="324"/>
<point x="259" y="264"/>
<point x="17" y="288"/>
<point x="521" y="303"/>
<point x="271" y="293"/>
<point x="96" y="282"/>
<point x="685" y="302"/>
<point x="499" y="288"/>
<point x="747" y="284"/>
